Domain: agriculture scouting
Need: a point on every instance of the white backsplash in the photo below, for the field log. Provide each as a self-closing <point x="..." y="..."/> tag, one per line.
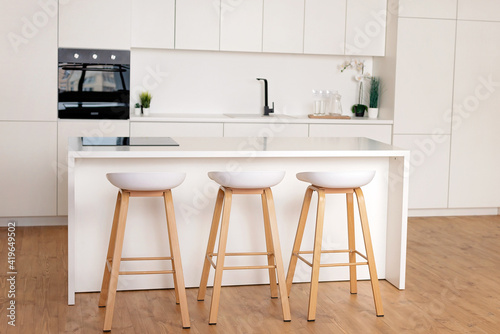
<point x="225" y="82"/>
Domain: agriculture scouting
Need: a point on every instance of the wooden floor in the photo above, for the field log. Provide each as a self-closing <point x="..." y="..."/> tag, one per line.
<point x="453" y="286"/>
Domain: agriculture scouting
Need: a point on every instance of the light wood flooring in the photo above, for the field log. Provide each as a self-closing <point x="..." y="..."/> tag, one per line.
<point x="453" y="286"/>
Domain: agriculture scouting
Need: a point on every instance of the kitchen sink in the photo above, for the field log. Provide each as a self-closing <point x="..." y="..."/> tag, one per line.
<point x="258" y="116"/>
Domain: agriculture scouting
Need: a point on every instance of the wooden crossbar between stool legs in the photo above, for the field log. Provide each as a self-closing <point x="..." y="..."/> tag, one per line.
<point x="370" y="259"/>
<point x="115" y="247"/>
<point x="275" y="261"/>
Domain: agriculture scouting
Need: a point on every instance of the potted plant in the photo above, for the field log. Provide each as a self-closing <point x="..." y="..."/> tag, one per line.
<point x="145" y="98"/>
<point x="359" y="108"/>
<point x="374" y="96"/>
<point x="137" y="109"/>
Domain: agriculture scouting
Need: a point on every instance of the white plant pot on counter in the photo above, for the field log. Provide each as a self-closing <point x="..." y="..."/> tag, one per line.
<point x="145" y="111"/>
<point x="137" y="111"/>
<point x="372" y="112"/>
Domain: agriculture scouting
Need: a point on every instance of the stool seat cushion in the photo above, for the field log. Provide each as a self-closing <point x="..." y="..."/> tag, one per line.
<point x="146" y="181"/>
<point x="347" y="179"/>
<point x="247" y="179"/>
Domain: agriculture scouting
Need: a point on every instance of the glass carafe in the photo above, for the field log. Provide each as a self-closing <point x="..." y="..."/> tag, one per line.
<point x="336" y="104"/>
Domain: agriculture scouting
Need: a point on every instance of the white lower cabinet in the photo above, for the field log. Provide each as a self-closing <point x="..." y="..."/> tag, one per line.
<point x="429" y="169"/>
<point x="381" y="133"/>
<point x="79" y="128"/>
<point x="28" y="171"/>
<point x="175" y="129"/>
<point x="265" y="130"/>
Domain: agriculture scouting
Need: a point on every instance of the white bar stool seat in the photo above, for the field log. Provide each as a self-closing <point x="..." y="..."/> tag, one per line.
<point x="323" y="183"/>
<point x="246" y="183"/>
<point x="141" y="185"/>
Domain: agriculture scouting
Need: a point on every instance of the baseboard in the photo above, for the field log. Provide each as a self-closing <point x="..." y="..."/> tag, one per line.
<point x="453" y="212"/>
<point x="35" y="221"/>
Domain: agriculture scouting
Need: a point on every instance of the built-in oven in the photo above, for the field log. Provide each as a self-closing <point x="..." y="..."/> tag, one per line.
<point x="94" y="84"/>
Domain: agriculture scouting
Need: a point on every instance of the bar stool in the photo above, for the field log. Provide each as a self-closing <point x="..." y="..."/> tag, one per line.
<point x="232" y="183"/>
<point x="141" y="185"/>
<point x="335" y="183"/>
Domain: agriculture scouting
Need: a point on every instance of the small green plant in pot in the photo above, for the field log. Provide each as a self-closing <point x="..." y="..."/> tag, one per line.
<point x="374" y="97"/>
<point x="137" y="109"/>
<point x="145" y="98"/>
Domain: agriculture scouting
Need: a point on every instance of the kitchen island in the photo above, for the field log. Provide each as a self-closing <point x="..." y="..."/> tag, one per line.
<point x="91" y="200"/>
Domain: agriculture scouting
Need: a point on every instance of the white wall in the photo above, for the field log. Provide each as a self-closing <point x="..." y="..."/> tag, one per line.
<point x="225" y="82"/>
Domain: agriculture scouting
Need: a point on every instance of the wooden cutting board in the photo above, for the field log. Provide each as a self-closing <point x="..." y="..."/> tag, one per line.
<point x="329" y="116"/>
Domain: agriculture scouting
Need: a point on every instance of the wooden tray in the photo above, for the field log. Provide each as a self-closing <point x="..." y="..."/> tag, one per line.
<point x="329" y="116"/>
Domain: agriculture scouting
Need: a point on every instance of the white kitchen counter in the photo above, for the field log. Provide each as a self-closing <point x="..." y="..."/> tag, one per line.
<point x="92" y="198"/>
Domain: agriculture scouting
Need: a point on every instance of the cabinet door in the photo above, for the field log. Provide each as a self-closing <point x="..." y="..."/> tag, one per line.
<point x="475" y="162"/>
<point x="365" y="27"/>
<point x="66" y="129"/>
<point x="429" y="169"/>
<point x="163" y="129"/>
<point x="153" y="23"/>
<point x="28" y="172"/>
<point x="381" y="133"/>
<point x="485" y="10"/>
<point x="241" y="26"/>
<point x="283" y="26"/>
<point x="442" y="9"/>
<point x="95" y="24"/>
<point x="424" y="76"/>
<point x="265" y="130"/>
<point x="324" y="27"/>
<point x="28" y="61"/>
<point x="197" y="24"/>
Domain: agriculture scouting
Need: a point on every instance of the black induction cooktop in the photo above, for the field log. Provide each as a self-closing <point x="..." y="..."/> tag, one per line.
<point x="128" y="141"/>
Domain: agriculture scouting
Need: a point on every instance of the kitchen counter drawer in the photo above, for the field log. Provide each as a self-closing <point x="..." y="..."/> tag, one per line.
<point x="176" y="129"/>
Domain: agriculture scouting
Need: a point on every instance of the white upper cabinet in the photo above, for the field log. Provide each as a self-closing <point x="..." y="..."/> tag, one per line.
<point x="197" y="24"/>
<point x="153" y="23"/>
<point x="365" y="27"/>
<point x="324" y="27"/>
<point x="424" y="76"/>
<point x="283" y="26"/>
<point x="475" y="161"/>
<point x="241" y="26"/>
<point x="487" y="10"/>
<point x="95" y="24"/>
<point x="28" y="61"/>
<point x="441" y="9"/>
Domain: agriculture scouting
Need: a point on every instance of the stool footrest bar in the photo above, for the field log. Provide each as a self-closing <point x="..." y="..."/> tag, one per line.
<point x="146" y="272"/>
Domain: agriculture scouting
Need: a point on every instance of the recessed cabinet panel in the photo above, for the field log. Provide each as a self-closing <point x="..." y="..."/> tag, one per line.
<point x="241" y="26"/>
<point x="28" y="61"/>
<point x="429" y="169"/>
<point x="381" y="133"/>
<point x="197" y="24"/>
<point x="153" y="23"/>
<point x="365" y="27"/>
<point x="442" y="9"/>
<point x="324" y="27"/>
<point x="28" y="172"/>
<point x="283" y="26"/>
<point x="475" y="161"/>
<point x="66" y="129"/>
<point x="95" y="24"/>
<point x="486" y="10"/>
<point x="164" y="129"/>
<point x="424" y="76"/>
<point x="265" y="130"/>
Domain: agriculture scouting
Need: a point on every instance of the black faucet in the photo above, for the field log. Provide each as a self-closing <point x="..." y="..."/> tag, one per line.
<point x="267" y="110"/>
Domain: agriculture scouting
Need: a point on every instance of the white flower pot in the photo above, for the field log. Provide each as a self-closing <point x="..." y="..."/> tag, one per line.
<point x="372" y="112"/>
<point x="137" y="111"/>
<point x="145" y="111"/>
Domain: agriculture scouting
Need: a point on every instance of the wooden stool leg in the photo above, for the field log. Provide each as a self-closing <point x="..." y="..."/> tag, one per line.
<point x="313" y="295"/>
<point x="273" y="226"/>
<point x="176" y="258"/>
<point x="369" y="253"/>
<point x="219" y="267"/>
<point x="352" y="243"/>
<point x="103" y="297"/>
<point x="115" y="267"/>
<point x="269" y="247"/>
<point x="211" y="245"/>
<point x="298" y="238"/>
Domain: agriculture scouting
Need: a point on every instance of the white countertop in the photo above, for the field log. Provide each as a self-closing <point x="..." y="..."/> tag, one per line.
<point x="243" y="147"/>
<point x="223" y="118"/>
